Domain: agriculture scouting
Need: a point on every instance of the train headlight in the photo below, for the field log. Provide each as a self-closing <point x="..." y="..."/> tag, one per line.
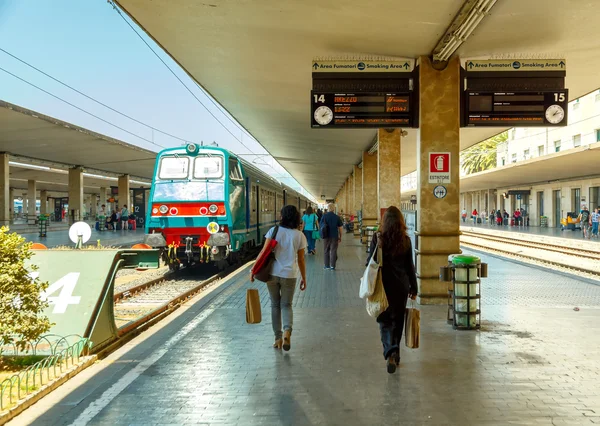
<point x="174" y="211"/>
<point x="163" y="209"/>
<point x="212" y="228"/>
<point x="203" y="210"/>
<point x="191" y="148"/>
<point x="154" y="210"/>
<point x="213" y="208"/>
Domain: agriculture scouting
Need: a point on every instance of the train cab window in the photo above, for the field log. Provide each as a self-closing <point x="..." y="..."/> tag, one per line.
<point x="234" y="170"/>
<point x="206" y="167"/>
<point x="174" y="168"/>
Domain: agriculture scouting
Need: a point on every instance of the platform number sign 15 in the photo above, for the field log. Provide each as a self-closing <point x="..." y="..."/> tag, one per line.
<point x="66" y="286"/>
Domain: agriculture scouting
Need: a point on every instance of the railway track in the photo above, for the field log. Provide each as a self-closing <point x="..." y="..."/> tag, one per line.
<point x="589" y="254"/>
<point x="572" y="260"/>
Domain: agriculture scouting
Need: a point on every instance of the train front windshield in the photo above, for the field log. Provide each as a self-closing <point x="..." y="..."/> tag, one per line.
<point x="181" y="178"/>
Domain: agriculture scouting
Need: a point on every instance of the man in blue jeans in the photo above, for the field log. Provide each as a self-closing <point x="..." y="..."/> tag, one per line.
<point x="595" y="221"/>
<point x="331" y="230"/>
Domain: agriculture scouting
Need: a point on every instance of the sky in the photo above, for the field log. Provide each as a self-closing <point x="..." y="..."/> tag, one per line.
<point x="89" y="46"/>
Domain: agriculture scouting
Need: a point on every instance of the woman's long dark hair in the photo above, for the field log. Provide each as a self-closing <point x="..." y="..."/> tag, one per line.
<point x="394" y="239"/>
<point x="290" y="217"/>
<point x="309" y="210"/>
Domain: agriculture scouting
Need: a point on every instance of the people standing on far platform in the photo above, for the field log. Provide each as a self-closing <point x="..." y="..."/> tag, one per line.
<point x="399" y="281"/>
<point x="310" y="224"/>
<point x="584" y="222"/>
<point x="595" y="220"/>
<point x="463" y="215"/>
<point x="331" y="231"/>
<point x="474" y="216"/>
<point x="125" y="217"/>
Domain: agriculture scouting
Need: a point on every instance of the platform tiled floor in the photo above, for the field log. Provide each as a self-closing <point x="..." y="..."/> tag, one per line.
<point x="537" y="361"/>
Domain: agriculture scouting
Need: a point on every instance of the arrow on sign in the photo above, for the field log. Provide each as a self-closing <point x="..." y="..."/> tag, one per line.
<point x="470" y="65"/>
<point x="315" y="66"/>
<point x="562" y="64"/>
<point x="406" y="66"/>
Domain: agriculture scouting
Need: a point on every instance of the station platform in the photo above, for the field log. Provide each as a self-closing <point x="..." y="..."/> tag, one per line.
<point x="533" y="230"/>
<point x="535" y="361"/>
<point x="60" y="238"/>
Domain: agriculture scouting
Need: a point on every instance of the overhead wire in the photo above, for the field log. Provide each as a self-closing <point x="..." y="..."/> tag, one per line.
<point x="80" y="109"/>
<point x="91" y="98"/>
<point x="177" y="77"/>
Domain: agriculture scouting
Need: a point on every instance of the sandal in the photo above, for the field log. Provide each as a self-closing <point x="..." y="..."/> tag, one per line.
<point x="287" y="340"/>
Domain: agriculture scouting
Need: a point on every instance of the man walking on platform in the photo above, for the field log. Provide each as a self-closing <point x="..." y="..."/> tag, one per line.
<point x="331" y="231"/>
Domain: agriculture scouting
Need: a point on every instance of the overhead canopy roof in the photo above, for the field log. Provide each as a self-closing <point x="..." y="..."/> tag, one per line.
<point x="254" y="58"/>
<point x="49" y="141"/>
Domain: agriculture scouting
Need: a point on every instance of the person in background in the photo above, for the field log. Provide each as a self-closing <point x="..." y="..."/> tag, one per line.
<point x="319" y="214"/>
<point x="310" y="224"/>
<point x="114" y="220"/>
<point x="331" y="229"/>
<point x="517" y="217"/>
<point x="584" y="221"/>
<point x="595" y="220"/>
<point x="498" y="217"/>
<point x="399" y="281"/>
<point x="288" y="265"/>
<point x="505" y="216"/>
<point x="463" y="214"/>
<point x="474" y="216"/>
<point x="125" y="217"/>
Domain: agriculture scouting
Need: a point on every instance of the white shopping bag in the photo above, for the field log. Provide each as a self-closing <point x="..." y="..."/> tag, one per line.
<point x="367" y="282"/>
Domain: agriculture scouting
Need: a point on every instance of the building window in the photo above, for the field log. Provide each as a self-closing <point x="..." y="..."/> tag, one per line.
<point x="503" y="161"/>
<point x="576" y="105"/>
<point x="597" y="135"/>
<point x="514" y="158"/>
<point x="513" y="132"/>
<point x="556" y="146"/>
<point x="540" y="150"/>
<point x="597" y="97"/>
<point x="526" y="154"/>
<point x="576" y="140"/>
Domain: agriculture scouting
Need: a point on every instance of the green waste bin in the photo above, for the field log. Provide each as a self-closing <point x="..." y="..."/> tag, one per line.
<point x="465" y="272"/>
<point x="43" y="222"/>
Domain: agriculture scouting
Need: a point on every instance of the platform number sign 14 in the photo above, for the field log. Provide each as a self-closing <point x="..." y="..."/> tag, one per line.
<point x="66" y="286"/>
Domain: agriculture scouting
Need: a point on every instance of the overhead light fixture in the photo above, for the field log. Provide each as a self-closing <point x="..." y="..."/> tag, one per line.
<point x="467" y="19"/>
<point x="28" y="166"/>
<point x="91" y="175"/>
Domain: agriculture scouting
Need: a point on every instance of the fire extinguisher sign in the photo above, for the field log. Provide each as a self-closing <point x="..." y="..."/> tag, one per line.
<point x="439" y="167"/>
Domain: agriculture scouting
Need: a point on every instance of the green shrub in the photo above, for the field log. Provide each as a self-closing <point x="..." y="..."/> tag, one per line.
<point x="21" y="308"/>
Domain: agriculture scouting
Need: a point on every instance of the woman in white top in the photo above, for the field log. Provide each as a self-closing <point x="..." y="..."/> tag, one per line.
<point x="288" y="265"/>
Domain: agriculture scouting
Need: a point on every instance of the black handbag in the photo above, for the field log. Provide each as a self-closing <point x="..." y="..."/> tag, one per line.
<point x="264" y="274"/>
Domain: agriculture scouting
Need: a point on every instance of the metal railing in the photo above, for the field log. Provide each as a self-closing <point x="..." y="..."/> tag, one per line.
<point x="59" y="354"/>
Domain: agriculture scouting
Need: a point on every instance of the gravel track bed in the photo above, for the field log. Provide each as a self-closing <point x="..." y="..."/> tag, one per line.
<point x="144" y="277"/>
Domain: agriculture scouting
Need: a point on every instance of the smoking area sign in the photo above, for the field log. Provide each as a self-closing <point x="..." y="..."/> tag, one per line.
<point x="439" y="167"/>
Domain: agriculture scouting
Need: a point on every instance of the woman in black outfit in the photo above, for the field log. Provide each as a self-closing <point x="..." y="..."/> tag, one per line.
<point x="399" y="281"/>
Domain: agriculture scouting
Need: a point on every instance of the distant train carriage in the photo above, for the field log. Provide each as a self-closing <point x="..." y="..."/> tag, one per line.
<point x="207" y="205"/>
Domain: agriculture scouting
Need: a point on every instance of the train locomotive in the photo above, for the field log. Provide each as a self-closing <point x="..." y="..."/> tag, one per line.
<point x="209" y="206"/>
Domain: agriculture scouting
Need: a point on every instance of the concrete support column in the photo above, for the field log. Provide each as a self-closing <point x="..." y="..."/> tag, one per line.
<point x="31" y="202"/>
<point x="350" y="193"/>
<point x="438" y="218"/>
<point x="102" y="197"/>
<point x="11" y="203"/>
<point x="369" y="189"/>
<point x="75" y="194"/>
<point x="358" y="181"/>
<point x="43" y="202"/>
<point x="124" y="197"/>
<point x="5" y="204"/>
<point x="93" y="206"/>
<point x="388" y="168"/>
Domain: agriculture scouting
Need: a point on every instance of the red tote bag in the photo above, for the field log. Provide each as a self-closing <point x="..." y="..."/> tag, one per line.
<point x="264" y="264"/>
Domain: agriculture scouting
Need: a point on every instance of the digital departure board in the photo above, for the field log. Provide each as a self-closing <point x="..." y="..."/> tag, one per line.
<point x="516" y="109"/>
<point x="361" y="110"/>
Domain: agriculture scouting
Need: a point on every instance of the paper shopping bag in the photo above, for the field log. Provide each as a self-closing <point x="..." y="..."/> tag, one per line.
<point x="412" y="327"/>
<point x="253" y="313"/>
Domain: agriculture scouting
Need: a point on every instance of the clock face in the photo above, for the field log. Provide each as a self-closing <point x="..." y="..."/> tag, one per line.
<point x="555" y="114"/>
<point x="323" y="115"/>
